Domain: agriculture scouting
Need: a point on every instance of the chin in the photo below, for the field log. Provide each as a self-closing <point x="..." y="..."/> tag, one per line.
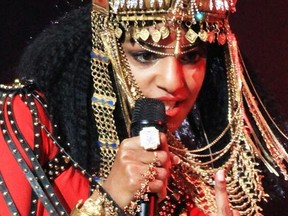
<point x="172" y="126"/>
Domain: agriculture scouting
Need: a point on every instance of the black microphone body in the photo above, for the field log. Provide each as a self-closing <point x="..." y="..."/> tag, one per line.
<point x="148" y="112"/>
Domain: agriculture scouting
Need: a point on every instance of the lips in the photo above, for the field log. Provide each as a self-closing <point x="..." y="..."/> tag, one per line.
<point x="172" y="111"/>
<point x="171" y="106"/>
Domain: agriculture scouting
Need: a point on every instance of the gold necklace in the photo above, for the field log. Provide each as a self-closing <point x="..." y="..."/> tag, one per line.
<point x="243" y="177"/>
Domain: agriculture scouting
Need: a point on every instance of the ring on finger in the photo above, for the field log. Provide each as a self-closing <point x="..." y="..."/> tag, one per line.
<point x="156" y="161"/>
<point x="150" y="174"/>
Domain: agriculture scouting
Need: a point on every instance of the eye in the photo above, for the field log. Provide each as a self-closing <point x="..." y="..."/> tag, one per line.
<point x="145" y="57"/>
<point x="191" y="57"/>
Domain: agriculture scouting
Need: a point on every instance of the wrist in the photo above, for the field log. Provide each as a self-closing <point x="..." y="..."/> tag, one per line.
<point x="97" y="205"/>
<point x="91" y="207"/>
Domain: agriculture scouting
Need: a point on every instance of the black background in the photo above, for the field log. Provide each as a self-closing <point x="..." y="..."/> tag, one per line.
<point x="262" y="30"/>
<point x="260" y="25"/>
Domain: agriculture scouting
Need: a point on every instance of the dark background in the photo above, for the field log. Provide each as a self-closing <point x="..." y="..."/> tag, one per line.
<point x="260" y="25"/>
<point x="262" y="30"/>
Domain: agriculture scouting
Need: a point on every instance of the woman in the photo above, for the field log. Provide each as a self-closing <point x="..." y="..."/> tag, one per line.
<point x="175" y="52"/>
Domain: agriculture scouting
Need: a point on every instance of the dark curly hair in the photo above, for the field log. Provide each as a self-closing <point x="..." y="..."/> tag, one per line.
<point x="58" y="61"/>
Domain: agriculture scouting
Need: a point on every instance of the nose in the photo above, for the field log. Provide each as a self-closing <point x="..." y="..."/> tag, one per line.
<point x="171" y="79"/>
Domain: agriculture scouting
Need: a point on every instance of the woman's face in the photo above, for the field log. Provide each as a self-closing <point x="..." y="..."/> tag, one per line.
<point x="174" y="80"/>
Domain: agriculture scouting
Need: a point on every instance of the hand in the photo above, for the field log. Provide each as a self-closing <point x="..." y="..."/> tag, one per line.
<point x="222" y="200"/>
<point x="131" y="163"/>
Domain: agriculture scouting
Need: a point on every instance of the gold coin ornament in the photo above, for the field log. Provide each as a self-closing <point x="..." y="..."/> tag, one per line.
<point x="211" y="37"/>
<point x="136" y="33"/>
<point x="203" y="35"/>
<point x="118" y="32"/>
<point x="144" y="34"/>
<point x="221" y="38"/>
<point x="164" y="32"/>
<point x="156" y="36"/>
<point x="191" y="36"/>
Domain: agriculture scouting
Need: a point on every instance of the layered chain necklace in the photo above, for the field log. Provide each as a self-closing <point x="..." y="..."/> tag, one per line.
<point x="194" y="176"/>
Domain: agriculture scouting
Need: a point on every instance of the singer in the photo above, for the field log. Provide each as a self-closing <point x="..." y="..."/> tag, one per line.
<point x="67" y="145"/>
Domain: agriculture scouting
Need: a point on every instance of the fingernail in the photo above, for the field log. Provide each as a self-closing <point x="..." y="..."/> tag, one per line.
<point x="220" y="175"/>
<point x="176" y="160"/>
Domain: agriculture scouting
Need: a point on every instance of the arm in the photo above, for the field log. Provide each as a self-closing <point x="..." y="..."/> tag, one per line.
<point x="17" y="125"/>
<point x="26" y="146"/>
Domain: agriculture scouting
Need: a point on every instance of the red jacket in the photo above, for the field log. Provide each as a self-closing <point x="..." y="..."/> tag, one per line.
<point x="70" y="186"/>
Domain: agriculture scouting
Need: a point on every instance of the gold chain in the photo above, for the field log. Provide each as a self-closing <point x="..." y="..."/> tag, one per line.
<point x="103" y="101"/>
<point x="243" y="178"/>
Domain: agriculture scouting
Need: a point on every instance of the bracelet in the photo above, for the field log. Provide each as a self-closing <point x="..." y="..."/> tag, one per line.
<point x="141" y="194"/>
<point x="89" y="208"/>
<point x="99" y="207"/>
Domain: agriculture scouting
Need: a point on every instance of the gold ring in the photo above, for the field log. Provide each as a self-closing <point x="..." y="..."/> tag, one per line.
<point x="156" y="161"/>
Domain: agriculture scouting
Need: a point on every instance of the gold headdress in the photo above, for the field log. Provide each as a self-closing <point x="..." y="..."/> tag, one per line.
<point x="161" y="15"/>
<point x="150" y="23"/>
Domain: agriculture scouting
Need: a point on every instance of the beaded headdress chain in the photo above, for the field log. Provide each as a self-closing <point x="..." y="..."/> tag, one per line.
<point x="149" y="23"/>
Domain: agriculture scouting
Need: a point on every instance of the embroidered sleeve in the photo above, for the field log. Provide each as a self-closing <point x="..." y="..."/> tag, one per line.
<point x="23" y="150"/>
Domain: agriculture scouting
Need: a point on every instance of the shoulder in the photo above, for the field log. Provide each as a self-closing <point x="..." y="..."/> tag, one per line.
<point x="23" y="116"/>
<point x="22" y="96"/>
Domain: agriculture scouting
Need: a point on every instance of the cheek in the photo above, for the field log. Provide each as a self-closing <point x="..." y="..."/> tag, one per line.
<point x="142" y="77"/>
<point x="145" y="77"/>
<point x="138" y="73"/>
<point x="194" y="78"/>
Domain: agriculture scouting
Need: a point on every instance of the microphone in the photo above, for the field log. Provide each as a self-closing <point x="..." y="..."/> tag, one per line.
<point x="148" y="117"/>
